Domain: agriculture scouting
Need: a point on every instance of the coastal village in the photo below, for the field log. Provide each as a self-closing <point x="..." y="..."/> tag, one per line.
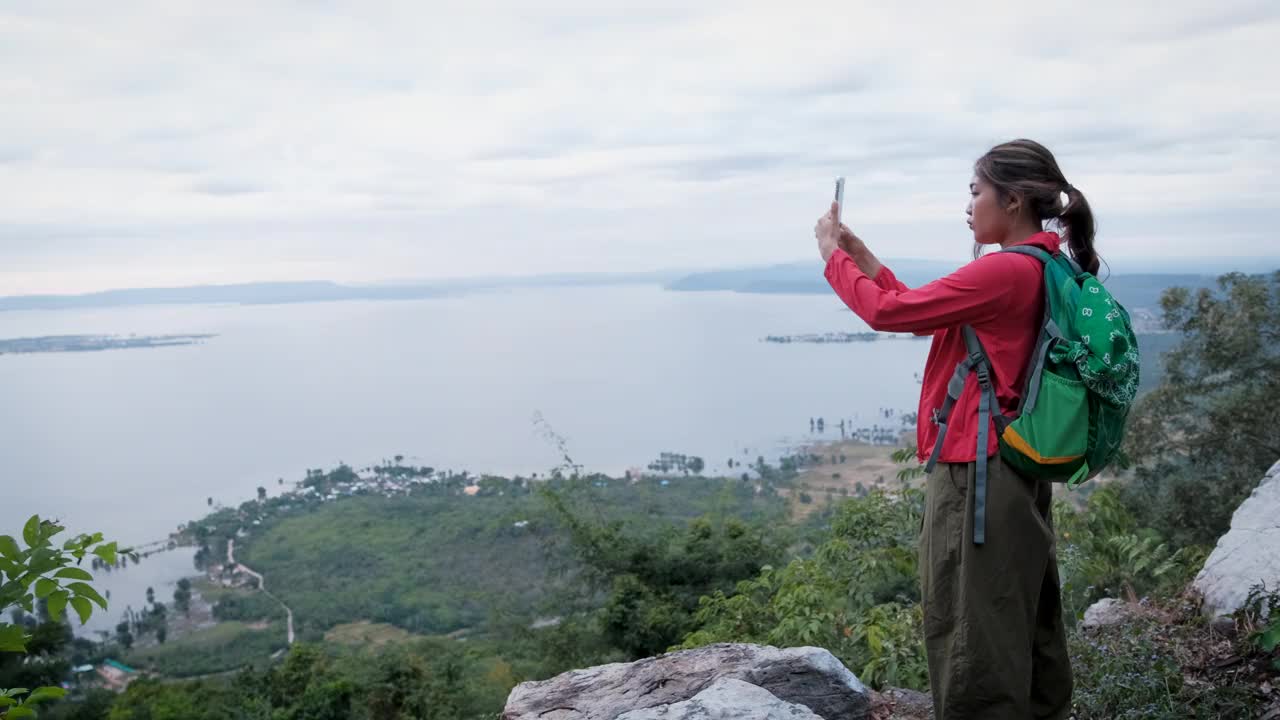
<point x="392" y="478"/>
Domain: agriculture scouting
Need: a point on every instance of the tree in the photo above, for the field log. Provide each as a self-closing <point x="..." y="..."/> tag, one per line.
<point x="210" y="501"/>
<point x="94" y="705"/>
<point x="151" y="595"/>
<point x="262" y="494"/>
<point x="123" y="636"/>
<point x="696" y="465"/>
<point x="182" y="596"/>
<point x="343" y="474"/>
<point x="45" y="662"/>
<point x="162" y="633"/>
<point x="1201" y="441"/>
<point x="152" y="698"/>
<point x="652" y="578"/>
<point x="202" y="557"/>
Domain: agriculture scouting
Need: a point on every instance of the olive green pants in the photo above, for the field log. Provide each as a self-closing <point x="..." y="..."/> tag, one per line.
<point x="992" y="613"/>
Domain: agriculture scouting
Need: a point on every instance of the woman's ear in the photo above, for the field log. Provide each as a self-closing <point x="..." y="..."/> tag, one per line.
<point x="1013" y="205"/>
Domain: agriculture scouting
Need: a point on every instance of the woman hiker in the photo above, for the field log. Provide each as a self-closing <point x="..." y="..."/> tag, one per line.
<point x="992" y="611"/>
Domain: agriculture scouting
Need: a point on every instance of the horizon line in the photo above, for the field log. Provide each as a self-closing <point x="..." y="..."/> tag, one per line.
<point x="1168" y="265"/>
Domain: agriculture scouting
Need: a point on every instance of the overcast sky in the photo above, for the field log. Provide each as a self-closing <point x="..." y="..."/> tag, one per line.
<point x="170" y="142"/>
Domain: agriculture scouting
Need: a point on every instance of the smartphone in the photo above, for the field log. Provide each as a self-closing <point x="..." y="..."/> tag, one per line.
<point x="839" y="198"/>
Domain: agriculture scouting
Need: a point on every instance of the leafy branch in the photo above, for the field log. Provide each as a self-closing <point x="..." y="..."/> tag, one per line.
<point x="14" y="708"/>
<point x="42" y="571"/>
<point x="907" y="456"/>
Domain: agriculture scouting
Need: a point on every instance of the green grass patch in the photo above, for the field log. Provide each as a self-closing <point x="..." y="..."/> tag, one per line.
<point x="365" y="634"/>
<point x="213" y="592"/>
<point x="1165" y="664"/>
<point x="225" y="646"/>
<point x="432" y="564"/>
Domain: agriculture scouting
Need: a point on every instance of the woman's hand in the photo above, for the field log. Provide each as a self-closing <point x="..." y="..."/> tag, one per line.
<point x="828" y="233"/>
<point x="832" y="235"/>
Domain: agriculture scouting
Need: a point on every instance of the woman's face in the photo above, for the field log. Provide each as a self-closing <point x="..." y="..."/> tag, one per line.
<point x="988" y="219"/>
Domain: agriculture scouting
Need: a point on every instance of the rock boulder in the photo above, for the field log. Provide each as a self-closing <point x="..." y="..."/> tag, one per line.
<point x="1107" y="611"/>
<point x="1249" y="554"/>
<point x="726" y="699"/>
<point x="807" y="676"/>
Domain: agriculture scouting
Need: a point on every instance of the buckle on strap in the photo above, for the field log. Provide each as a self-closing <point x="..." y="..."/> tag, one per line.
<point x="936" y="416"/>
<point x="984" y="375"/>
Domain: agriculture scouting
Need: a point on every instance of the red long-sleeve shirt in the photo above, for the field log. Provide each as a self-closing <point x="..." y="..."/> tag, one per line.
<point x="1000" y="294"/>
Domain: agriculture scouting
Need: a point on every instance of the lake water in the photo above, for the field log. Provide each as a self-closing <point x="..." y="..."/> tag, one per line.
<point x="126" y="588"/>
<point x="133" y="442"/>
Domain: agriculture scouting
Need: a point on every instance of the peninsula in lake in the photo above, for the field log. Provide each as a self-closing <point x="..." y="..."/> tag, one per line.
<point x="94" y="343"/>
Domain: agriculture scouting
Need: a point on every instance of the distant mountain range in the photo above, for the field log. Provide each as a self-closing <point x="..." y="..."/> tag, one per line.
<point x="800" y="277"/>
<point x="1133" y="291"/>
<point x="271" y="293"/>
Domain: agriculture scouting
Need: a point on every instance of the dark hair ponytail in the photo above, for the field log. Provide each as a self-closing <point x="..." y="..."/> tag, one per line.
<point x="1077" y="220"/>
<point x="1026" y="169"/>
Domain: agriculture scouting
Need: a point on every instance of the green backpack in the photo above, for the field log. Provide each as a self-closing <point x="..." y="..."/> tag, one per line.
<point x="1081" y="381"/>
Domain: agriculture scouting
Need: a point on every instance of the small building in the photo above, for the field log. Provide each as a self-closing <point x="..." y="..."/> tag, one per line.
<point x="116" y="675"/>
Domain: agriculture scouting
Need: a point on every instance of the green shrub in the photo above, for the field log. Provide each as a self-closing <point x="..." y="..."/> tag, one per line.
<point x="1165" y="664"/>
<point x="1122" y="675"/>
<point x="1261" y="613"/>
<point x="226" y="646"/>
<point x="1102" y="552"/>
<point x="248" y="607"/>
<point x="857" y="596"/>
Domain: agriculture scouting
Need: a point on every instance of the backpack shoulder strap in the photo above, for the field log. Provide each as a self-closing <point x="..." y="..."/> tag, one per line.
<point x="1044" y="257"/>
<point x="955" y="386"/>
<point x="977" y="362"/>
<point x="987" y="404"/>
<point x="1049" y="333"/>
<point x="1031" y="251"/>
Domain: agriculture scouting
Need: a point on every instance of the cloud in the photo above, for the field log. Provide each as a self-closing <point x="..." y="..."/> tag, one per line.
<point x="734" y="165"/>
<point x="227" y="187"/>
<point x="407" y="140"/>
<point x="13" y="155"/>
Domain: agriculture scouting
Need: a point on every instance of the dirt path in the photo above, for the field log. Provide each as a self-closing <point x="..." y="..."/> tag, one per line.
<point x="846" y="467"/>
<point x="262" y="583"/>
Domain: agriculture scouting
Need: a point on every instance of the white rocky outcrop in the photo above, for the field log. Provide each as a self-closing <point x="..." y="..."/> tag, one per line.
<point x="1249" y="554"/>
<point x="672" y="686"/>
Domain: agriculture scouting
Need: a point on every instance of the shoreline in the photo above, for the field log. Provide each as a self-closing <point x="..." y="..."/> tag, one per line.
<point x="202" y="544"/>
<point x="861" y="458"/>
